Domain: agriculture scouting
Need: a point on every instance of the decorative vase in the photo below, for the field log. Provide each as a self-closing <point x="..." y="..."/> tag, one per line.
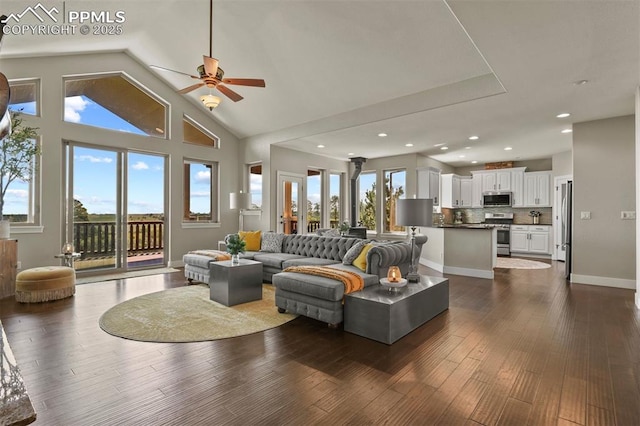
<point x="235" y="259"/>
<point x="536" y="220"/>
<point x="5" y="229"/>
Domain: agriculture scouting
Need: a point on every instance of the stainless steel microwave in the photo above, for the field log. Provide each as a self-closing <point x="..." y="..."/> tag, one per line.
<point x="497" y="199"/>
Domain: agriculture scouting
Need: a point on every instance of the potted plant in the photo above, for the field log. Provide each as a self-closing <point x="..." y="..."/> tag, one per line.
<point x="17" y="154"/>
<point x="536" y="216"/>
<point x="235" y="246"/>
<point x="344" y="228"/>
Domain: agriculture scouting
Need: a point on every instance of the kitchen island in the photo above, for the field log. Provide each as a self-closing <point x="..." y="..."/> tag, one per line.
<point x="468" y="249"/>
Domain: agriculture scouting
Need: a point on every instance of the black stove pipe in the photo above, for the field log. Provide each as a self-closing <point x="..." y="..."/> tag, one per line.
<point x="357" y="162"/>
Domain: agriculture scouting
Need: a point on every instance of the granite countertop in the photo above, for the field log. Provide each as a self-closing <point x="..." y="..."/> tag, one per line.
<point x="15" y="405"/>
<point x="466" y="226"/>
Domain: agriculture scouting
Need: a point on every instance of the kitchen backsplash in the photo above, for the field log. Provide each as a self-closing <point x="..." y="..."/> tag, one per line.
<point x="520" y="215"/>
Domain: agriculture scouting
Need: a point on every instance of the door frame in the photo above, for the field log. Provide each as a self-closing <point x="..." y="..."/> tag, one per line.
<point x="558" y="181"/>
<point x="282" y="177"/>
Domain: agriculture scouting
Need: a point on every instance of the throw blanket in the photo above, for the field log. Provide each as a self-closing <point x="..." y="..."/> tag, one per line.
<point x="351" y="280"/>
<point x="215" y="254"/>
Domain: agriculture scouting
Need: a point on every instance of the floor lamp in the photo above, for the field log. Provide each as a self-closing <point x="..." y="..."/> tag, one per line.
<point x="242" y="201"/>
<point x="414" y="212"/>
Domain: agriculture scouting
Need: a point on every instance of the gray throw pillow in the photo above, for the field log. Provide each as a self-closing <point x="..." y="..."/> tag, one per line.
<point x="271" y="242"/>
<point x="353" y="252"/>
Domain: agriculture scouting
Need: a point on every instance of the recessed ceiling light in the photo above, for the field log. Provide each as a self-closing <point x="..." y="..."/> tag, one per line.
<point x="508" y="148"/>
<point x="320" y="146"/>
<point x="350" y="153"/>
<point x="159" y="130"/>
<point x="563" y="115"/>
<point x="444" y="148"/>
<point x="382" y="135"/>
<point x="408" y="144"/>
<point x="473" y="138"/>
<point x="566" y="131"/>
<point x="439" y="144"/>
<point x="467" y="147"/>
<point x="460" y="156"/>
<point x="580" y="82"/>
<point x="474" y="162"/>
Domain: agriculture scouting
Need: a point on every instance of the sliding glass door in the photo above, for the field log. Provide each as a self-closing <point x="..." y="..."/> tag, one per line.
<point x="115" y="202"/>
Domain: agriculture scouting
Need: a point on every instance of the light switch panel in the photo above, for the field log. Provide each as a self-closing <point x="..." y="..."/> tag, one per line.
<point x="585" y="215"/>
<point x="627" y="215"/>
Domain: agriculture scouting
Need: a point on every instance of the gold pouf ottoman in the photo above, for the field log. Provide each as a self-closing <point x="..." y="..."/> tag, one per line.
<point x="45" y="283"/>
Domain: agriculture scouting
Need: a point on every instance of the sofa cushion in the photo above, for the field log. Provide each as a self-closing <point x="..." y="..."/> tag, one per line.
<point x="252" y="239"/>
<point x="313" y="261"/>
<point x="311" y="285"/>
<point x="361" y="261"/>
<point x="271" y="242"/>
<point x="275" y="259"/>
<point x="316" y="246"/>
<point x="353" y="253"/>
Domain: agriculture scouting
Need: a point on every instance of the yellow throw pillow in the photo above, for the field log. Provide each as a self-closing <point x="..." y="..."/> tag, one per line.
<point x="361" y="260"/>
<point x="252" y="239"/>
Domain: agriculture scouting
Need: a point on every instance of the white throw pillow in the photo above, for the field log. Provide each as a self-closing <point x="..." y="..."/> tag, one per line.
<point x="353" y="253"/>
<point x="271" y="242"/>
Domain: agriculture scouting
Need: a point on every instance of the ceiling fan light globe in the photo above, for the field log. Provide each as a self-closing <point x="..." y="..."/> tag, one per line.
<point x="210" y="101"/>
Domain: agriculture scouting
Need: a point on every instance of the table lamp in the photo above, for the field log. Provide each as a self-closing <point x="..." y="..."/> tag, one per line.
<point x="414" y="212"/>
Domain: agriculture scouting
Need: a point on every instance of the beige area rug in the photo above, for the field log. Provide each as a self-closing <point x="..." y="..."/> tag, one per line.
<point x="186" y="314"/>
<point x="517" y="263"/>
<point x="123" y="275"/>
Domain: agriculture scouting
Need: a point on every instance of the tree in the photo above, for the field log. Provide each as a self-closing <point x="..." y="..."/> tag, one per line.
<point x="18" y="151"/>
<point x="80" y="213"/>
<point x="334" y="207"/>
<point x="391" y="196"/>
<point x="368" y="208"/>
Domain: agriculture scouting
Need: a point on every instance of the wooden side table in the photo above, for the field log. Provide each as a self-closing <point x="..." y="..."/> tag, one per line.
<point x="8" y="267"/>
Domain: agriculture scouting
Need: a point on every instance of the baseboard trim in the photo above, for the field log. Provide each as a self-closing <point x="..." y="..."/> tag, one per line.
<point x="467" y="272"/>
<point x="433" y="265"/>
<point x="604" y="281"/>
<point x="176" y="264"/>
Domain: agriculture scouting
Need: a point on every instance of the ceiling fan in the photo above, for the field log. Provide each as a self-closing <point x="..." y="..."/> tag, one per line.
<point x="212" y="76"/>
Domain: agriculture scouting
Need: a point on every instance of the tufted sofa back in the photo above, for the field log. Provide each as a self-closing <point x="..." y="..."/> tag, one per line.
<point x="317" y="246"/>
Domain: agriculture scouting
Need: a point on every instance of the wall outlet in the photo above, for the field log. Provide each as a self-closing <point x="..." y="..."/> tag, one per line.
<point x="585" y="215"/>
<point x="19" y="265"/>
<point x="627" y="215"/>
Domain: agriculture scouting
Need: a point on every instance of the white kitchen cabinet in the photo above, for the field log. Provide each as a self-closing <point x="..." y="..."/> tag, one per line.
<point x="494" y="180"/>
<point x="530" y="239"/>
<point x="476" y="194"/>
<point x="429" y="184"/>
<point x="517" y="187"/>
<point x="537" y="189"/>
<point x="466" y="192"/>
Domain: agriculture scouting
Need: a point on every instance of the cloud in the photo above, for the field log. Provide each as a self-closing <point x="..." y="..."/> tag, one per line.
<point x="17" y="193"/>
<point x="92" y="159"/>
<point x="204" y="176"/>
<point x="200" y="194"/>
<point x="73" y="105"/>
<point x="140" y="165"/>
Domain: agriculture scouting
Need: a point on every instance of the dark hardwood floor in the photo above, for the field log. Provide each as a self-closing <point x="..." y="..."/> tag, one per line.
<point x="524" y="348"/>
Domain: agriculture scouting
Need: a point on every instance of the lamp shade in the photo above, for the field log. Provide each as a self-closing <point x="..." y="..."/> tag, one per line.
<point x="414" y="212"/>
<point x="240" y="200"/>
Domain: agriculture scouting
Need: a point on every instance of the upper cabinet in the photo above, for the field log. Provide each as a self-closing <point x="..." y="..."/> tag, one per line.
<point x="494" y="181"/>
<point x="537" y="189"/>
<point x="517" y="187"/>
<point x="429" y="184"/>
<point x="456" y="191"/>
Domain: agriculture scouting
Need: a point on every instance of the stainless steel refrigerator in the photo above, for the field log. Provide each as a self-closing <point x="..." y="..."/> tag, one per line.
<point x="567" y="217"/>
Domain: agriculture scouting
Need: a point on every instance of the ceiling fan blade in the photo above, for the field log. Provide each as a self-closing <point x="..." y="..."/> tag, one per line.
<point x="190" y="88"/>
<point x="210" y="65"/>
<point x="245" y="82"/>
<point x="167" y="69"/>
<point x="229" y="93"/>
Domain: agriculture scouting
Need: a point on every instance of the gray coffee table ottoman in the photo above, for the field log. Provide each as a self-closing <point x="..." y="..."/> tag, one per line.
<point x="386" y="316"/>
<point x="233" y="285"/>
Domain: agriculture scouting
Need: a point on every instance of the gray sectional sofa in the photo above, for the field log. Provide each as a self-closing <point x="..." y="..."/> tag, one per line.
<point x="314" y="296"/>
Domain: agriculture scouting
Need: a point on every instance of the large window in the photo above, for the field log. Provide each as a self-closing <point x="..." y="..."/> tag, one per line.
<point x="201" y="191"/>
<point x="314" y="200"/>
<point x="115" y="103"/>
<point x="394" y="186"/>
<point x="335" y="203"/>
<point x="20" y="196"/>
<point x="255" y="185"/>
<point x="367" y="200"/>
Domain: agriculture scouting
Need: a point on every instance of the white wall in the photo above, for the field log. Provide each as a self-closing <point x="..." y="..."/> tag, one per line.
<point x="604" y="247"/>
<point x="38" y="249"/>
<point x="637" y="195"/>
<point x="562" y="164"/>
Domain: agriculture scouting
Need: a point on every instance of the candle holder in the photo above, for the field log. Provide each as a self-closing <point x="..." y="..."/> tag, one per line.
<point x="394" y="275"/>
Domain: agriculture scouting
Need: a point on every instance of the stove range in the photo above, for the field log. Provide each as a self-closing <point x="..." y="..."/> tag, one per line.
<point x="501" y="221"/>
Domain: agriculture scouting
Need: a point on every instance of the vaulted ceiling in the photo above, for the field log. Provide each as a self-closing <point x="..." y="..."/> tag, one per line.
<point x="429" y="73"/>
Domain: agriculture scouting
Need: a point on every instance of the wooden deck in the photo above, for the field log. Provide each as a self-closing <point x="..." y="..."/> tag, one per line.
<point x="524" y="348"/>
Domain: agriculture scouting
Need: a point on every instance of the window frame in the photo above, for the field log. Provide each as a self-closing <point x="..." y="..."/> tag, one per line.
<point x="216" y="139"/>
<point x="214" y="200"/>
<point x="383" y="217"/>
<point x="37" y="90"/>
<point x="374" y="173"/>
